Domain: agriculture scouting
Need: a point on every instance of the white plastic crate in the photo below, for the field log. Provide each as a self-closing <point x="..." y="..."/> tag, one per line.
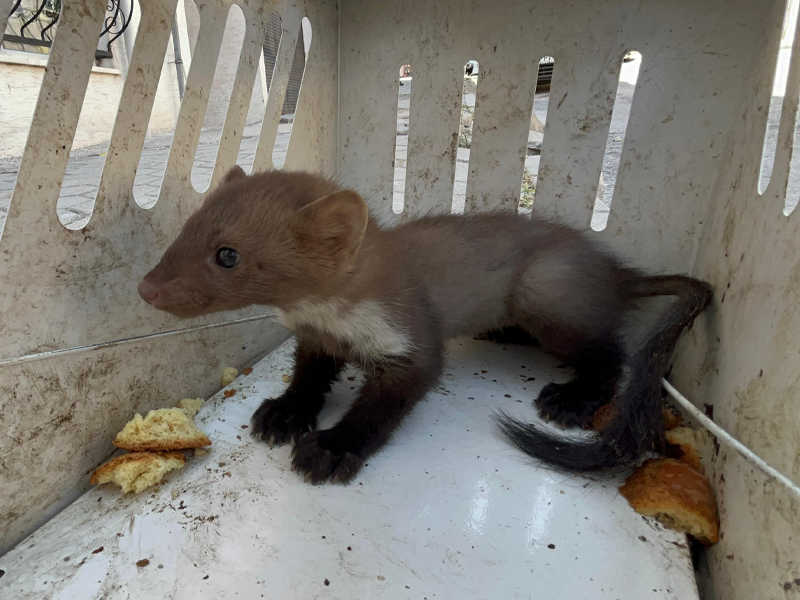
<point x="81" y="352"/>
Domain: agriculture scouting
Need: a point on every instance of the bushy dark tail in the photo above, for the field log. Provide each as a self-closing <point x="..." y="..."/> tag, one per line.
<point x="637" y="426"/>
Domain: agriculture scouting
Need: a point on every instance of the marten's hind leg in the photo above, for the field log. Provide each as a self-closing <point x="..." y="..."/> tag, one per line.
<point x="570" y="303"/>
<point x="574" y="403"/>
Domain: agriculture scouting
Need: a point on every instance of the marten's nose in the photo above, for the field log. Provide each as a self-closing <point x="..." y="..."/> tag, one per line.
<point x="148" y="291"/>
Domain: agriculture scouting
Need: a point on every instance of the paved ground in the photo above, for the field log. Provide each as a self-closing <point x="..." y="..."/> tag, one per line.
<point x="85" y="165"/>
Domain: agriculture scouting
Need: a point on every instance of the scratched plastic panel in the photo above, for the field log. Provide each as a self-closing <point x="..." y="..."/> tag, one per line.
<point x="741" y="359"/>
<point x="685" y="197"/>
<point x="64" y="290"/>
<point x="83" y="284"/>
<point x="60" y="414"/>
<point x="666" y="174"/>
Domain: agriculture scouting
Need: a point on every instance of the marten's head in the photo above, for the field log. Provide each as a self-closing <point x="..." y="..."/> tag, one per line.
<point x="271" y="238"/>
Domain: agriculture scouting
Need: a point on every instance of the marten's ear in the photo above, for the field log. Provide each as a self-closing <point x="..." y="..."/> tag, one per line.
<point x="334" y="224"/>
<point x="234" y="173"/>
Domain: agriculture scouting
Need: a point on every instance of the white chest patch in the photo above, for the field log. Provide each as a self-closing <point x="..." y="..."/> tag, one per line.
<point x="366" y="327"/>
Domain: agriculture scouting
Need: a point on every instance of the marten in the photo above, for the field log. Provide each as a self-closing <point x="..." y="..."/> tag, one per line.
<point x="387" y="299"/>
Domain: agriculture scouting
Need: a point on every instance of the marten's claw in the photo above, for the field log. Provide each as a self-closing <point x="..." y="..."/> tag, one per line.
<point x="319" y="458"/>
<point x="281" y="421"/>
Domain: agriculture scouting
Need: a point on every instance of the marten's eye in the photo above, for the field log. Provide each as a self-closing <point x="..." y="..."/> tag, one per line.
<point x="227" y="258"/>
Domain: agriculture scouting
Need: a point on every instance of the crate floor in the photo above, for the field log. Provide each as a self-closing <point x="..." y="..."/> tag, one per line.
<point x="447" y="510"/>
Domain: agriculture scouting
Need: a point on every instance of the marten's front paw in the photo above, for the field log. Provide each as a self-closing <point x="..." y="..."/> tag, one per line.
<point x="320" y="456"/>
<point x="282" y="420"/>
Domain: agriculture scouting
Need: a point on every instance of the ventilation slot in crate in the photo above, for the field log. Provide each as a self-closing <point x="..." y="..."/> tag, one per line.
<point x="291" y="91"/>
<point x="533" y="148"/>
<point x="401" y="138"/>
<point x="629" y="73"/>
<point x="469" y="94"/>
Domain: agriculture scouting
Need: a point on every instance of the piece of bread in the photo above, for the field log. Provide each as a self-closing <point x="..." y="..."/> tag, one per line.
<point x="162" y="429"/>
<point x="228" y="375"/>
<point x="190" y="406"/>
<point x="139" y="470"/>
<point x="681" y="444"/>
<point x="675" y="494"/>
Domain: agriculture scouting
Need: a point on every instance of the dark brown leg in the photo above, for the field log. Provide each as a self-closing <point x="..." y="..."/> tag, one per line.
<point x="386" y="398"/>
<point x="294" y="413"/>
<point x="573" y="404"/>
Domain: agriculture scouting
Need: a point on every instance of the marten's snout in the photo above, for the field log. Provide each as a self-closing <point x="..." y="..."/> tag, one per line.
<point x="180" y="298"/>
<point x="148" y="291"/>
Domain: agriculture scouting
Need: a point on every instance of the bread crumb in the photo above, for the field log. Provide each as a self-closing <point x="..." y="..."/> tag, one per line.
<point x="137" y="471"/>
<point x="286" y="378"/>
<point x="190" y="406"/>
<point x="175" y="492"/>
<point x="247" y="370"/>
<point x="228" y="375"/>
<point x="142" y="563"/>
<point x="200" y="451"/>
<point x="229" y="393"/>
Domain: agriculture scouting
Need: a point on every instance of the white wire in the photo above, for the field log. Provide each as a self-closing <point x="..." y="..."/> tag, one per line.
<point x="729" y="440"/>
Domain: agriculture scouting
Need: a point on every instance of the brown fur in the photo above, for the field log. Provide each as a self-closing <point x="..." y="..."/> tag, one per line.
<point x="387" y="299"/>
<point x="480" y="271"/>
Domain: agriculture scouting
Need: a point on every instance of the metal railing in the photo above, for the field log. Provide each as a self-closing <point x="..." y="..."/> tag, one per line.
<point x="34" y="25"/>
